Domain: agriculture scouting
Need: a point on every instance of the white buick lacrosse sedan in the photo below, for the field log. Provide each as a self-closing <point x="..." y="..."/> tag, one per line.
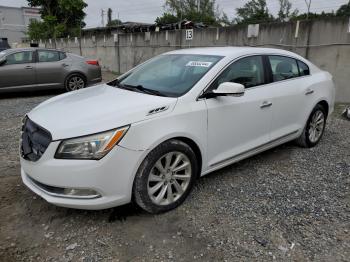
<point x="148" y="135"/>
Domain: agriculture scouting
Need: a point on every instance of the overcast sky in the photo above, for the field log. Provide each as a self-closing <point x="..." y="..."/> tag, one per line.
<point x="148" y="10"/>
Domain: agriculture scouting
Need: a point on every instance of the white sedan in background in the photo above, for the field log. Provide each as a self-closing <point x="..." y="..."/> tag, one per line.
<point x="148" y="135"/>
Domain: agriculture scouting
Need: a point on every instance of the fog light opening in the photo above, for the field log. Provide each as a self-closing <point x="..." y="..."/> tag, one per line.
<point x="75" y="192"/>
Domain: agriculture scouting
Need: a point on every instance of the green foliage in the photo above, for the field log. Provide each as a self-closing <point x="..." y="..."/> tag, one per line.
<point x="114" y="22"/>
<point x="313" y="16"/>
<point x="344" y="10"/>
<point x="37" y="30"/>
<point x="205" y="11"/>
<point x="224" y="20"/>
<point x="167" y="18"/>
<point x="60" y="18"/>
<point x="253" y="12"/>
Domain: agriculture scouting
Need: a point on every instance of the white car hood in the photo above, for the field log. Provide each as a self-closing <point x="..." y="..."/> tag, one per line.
<point x="96" y="109"/>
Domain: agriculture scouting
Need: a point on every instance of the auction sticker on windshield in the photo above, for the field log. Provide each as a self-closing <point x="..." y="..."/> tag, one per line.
<point x="199" y="63"/>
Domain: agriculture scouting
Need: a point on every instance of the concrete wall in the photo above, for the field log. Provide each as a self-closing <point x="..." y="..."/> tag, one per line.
<point x="325" y="42"/>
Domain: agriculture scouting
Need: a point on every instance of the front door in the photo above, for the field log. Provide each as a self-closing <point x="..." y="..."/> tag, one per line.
<point x="237" y="125"/>
<point x="18" y="70"/>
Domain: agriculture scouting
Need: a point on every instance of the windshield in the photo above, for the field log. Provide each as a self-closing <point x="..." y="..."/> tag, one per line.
<point x="169" y="75"/>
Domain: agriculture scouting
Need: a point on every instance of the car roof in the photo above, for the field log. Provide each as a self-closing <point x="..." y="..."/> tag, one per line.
<point x="232" y="51"/>
<point x="14" y="50"/>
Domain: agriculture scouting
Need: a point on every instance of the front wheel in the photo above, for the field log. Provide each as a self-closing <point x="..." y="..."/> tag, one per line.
<point x="165" y="177"/>
<point x="314" y="128"/>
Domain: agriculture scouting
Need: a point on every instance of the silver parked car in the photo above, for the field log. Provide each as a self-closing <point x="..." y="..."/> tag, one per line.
<point x="37" y="68"/>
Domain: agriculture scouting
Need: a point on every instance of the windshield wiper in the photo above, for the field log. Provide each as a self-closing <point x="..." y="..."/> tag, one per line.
<point x="145" y="90"/>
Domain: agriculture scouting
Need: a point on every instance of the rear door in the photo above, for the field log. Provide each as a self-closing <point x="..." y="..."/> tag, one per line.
<point x="288" y="90"/>
<point x="18" y="70"/>
<point x="52" y="68"/>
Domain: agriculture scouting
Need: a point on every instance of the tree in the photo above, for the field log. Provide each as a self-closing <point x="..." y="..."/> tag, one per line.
<point x="253" y="12"/>
<point x="205" y="11"/>
<point x="285" y="11"/>
<point x="167" y="18"/>
<point x="110" y="20"/>
<point x="344" y="10"/>
<point x="60" y="18"/>
<point x="37" y="30"/>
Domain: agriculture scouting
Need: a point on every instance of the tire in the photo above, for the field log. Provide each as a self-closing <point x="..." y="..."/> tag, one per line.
<point x="306" y="138"/>
<point x="160" y="191"/>
<point x="75" y="82"/>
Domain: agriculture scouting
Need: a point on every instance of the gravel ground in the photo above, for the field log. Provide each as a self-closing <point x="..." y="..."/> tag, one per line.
<point x="287" y="204"/>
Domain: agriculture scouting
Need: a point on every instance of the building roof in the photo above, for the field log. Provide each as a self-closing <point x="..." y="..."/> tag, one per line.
<point x="22" y="7"/>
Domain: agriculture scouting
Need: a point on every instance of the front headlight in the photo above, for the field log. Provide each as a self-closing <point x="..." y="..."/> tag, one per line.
<point x="92" y="146"/>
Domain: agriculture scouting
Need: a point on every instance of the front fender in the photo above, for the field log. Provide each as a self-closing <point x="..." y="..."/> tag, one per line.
<point x="190" y="124"/>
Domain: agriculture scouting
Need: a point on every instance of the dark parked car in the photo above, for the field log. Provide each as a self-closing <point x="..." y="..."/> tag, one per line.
<point x="4" y="44"/>
<point x="37" y="68"/>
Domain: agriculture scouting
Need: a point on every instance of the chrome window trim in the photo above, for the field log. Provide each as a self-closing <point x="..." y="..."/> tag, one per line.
<point x="254" y="87"/>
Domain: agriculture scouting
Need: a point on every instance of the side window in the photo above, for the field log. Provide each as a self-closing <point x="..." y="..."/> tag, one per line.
<point x="303" y="69"/>
<point x="247" y="71"/>
<point x="62" y="55"/>
<point x="20" y="58"/>
<point x="48" y="56"/>
<point x="283" y="68"/>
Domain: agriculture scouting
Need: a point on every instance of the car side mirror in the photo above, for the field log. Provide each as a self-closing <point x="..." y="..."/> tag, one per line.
<point x="226" y="89"/>
<point x="229" y="89"/>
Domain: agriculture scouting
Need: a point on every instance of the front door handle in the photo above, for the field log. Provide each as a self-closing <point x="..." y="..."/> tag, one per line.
<point x="28" y="67"/>
<point x="309" y="91"/>
<point x="266" y="104"/>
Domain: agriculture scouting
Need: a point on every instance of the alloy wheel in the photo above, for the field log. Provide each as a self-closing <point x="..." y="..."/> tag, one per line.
<point x="169" y="178"/>
<point x="75" y="83"/>
<point x="316" y="126"/>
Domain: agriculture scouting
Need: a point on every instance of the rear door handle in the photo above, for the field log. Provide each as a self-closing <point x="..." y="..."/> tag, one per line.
<point x="28" y="67"/>
<point x="65" y="65"/>
<point x="309" y="91"/>
<point x="266" y="104"/>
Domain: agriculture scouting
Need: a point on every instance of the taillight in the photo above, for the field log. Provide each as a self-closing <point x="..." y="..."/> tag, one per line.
<point x="93" y="62"/>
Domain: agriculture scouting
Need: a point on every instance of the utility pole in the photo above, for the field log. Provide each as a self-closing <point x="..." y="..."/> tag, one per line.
<point x="80" y="49"/>
<point x="308" y="5"/>
<point x="103" y="17"/>
<point x="180" y="14"/>
<point x="198" y="5"/>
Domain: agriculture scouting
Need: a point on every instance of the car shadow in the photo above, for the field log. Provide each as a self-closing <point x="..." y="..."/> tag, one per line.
<point x="29" y="94"/>
<point x="121" y="213"/>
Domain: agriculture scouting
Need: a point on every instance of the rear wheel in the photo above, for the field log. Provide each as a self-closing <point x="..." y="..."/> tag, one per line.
<point x="75" y="82"/>
<point x="314" y="128"/>
<point x="165" y="177"/>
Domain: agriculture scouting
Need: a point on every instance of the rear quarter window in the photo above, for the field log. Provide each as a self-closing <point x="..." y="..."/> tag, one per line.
<point x="62" y="55"/>
<point x="48" y="56"/>
<point x="303" y="69"/>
